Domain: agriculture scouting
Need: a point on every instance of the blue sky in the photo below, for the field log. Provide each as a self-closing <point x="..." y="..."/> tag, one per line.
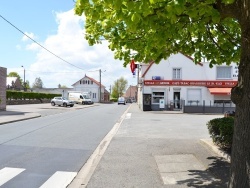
<point x="52" y="23"/>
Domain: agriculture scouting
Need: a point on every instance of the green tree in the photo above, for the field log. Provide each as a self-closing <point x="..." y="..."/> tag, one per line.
<point x="216" y="29"/>
<point x="119" y="87"/>
<point x="27" y="84"/>
<point x="38" y="83"/>
<point x="62" y="86"/>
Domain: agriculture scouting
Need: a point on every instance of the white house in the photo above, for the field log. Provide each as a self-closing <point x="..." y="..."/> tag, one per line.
<point x="178" y="81"/>
<point x="87" y="84"/>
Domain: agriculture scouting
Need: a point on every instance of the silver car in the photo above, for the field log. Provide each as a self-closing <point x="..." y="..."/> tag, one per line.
<point x="61" y="101"/>
<point x="121" y="100"/>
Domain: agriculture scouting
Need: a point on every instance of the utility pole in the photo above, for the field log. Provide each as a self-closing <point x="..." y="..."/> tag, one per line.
<point x="100" y="74"/>
<point x="24" y="84"/>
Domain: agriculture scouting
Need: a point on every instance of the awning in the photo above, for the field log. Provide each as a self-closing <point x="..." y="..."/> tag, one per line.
<point x="220" y="91"/>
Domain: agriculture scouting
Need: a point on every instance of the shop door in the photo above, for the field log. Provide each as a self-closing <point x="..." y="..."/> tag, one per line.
<point x="147" y="102"/>
<point x="177" y="101"/>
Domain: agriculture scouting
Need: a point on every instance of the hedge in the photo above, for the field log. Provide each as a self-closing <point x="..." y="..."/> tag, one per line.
<point x="19" y="95"/>
<point x="221" y="131"/>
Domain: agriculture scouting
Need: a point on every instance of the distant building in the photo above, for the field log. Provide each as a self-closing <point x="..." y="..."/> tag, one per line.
<point x="131" y="93"/>
<point x="90" y="85"/>
<point x="13" y="83"/>
<point x="85" y="84"/>
<point x="3" y="73"/>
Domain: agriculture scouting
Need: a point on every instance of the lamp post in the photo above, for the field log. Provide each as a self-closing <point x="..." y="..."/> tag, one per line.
<point x="24" y="83"/>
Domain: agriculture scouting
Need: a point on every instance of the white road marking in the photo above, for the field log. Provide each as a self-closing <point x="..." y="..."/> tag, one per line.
<point x="128" y="115"/>
<point x="59" y="180"/>
<point x="7" y="174"/>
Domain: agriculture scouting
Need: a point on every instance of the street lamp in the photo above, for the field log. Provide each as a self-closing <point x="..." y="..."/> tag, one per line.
<point x="24" y="83"/>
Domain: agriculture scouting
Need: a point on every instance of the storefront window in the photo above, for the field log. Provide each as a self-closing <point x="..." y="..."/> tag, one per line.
<point x="156" y="96"/>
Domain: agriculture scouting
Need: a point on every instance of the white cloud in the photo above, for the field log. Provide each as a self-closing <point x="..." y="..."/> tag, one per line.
<point x="31" y="35"/>
<point x="69" y="44"/>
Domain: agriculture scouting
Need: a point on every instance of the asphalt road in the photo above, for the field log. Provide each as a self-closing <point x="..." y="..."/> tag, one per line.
<point x="54" y="146"/>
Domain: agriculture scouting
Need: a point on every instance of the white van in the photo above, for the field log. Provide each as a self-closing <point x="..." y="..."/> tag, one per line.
<point x="80" y="98"/>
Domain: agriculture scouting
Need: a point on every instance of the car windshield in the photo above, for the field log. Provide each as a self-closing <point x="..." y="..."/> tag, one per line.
<point x="63" y="98"/>
<point x="86" y="97"/>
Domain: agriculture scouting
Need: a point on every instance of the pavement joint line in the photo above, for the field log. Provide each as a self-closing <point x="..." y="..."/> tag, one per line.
<point x="82" y="178"/>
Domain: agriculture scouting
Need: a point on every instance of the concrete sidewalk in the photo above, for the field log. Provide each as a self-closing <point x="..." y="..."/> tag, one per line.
<point x="151" y="149"/>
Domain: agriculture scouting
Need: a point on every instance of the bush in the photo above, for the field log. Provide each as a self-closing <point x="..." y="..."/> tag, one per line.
<point x="221" y="131"/>
<point x="113" y="100"/>
<point x="19" y="95"/>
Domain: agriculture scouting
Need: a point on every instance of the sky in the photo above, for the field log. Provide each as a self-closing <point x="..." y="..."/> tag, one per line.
<point x="53" y="24"/>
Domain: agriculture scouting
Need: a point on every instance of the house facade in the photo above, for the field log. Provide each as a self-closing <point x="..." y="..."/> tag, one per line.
<point x="90" y="85"/>
<point x="178" y="81"/>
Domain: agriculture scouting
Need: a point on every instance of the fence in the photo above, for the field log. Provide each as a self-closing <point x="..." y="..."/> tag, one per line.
<point x="217" y="107"/>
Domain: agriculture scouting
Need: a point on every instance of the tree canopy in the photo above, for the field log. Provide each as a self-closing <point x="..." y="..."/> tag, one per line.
<point x="119" y="87"/>
<point x="38" y="83"/>
<point x="157" y="28"/>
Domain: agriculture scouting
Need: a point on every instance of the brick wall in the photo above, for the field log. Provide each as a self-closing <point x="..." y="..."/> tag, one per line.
<point x="3" y="75"/>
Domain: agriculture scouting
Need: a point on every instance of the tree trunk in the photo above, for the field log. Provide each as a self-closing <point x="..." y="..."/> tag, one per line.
<point x="240" y="159"/>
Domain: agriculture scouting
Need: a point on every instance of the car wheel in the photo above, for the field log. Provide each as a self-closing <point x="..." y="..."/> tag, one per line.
<point x="71" y="105"/>
<point x="64" y="104"/>
<point x="52" y="104"/>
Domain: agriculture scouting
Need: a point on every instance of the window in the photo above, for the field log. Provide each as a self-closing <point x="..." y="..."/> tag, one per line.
<point x="224" y="72"/>
<point x="193" y="96"/>
<point x="156" y="96"/>
<point x="177" y="73"/>
<point x="94" y="95"/>
<point x="92" y="82"/>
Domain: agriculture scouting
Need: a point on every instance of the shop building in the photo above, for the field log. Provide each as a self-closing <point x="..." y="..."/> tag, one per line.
<point x="177" y="82"/>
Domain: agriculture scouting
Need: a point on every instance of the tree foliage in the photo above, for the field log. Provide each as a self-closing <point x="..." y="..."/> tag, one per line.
<point x="119" y="87"/>
<point x="157" y="28"/>
<point x="38" y="83"/>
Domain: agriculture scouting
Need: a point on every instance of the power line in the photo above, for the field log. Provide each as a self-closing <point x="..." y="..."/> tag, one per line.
<point x="39" y="43"/>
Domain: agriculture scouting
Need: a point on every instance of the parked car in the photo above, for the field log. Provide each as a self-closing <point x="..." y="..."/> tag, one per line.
<point x="121" y="100"/>
<point x="61" y="101"/>
<point x="129" y="101"/>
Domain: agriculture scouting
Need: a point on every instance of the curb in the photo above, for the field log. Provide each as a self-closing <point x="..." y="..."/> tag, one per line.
<point x="209" y="143"/>
<point x="20" y="119"/>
